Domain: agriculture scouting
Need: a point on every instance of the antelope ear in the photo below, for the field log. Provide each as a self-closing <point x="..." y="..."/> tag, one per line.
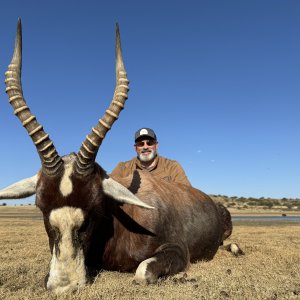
<point x="21" y="189"/>
<point x="121" y="194"/>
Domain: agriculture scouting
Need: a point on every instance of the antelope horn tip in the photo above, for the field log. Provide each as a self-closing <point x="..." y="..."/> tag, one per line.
<point x="17" y="56"/>
<point x="119" y="58"/>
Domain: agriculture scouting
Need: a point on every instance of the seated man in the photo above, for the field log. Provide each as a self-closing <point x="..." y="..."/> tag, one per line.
<point x="146" y="146"/>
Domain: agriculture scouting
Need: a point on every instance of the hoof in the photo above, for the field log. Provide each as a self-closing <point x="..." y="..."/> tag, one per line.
<point x="235" y="249"/>
<point x="143" y="275"/>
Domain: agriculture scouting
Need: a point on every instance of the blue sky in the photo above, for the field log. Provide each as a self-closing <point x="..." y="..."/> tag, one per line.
<point x="218" y="81"/>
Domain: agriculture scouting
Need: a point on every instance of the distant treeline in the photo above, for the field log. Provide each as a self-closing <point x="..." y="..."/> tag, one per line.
<point x="242" y="202"/>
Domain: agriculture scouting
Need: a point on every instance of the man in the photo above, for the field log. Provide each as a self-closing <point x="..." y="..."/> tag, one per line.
<point x="146" y="146"/>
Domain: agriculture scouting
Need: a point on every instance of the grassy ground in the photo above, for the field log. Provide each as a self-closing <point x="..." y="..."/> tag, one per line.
<point x="269" y="270"/>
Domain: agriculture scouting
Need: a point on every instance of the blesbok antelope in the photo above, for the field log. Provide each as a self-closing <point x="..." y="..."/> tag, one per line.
<point x="94" y="222"/>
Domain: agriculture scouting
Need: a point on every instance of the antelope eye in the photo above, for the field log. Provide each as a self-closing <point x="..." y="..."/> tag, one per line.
<point x="84" y="226"/>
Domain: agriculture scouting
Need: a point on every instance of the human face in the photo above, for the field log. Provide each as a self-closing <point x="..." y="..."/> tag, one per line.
<point x="146" y="150"/>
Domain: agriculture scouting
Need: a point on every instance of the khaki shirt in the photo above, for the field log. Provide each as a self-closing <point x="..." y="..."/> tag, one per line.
<point x="164" y="168"/>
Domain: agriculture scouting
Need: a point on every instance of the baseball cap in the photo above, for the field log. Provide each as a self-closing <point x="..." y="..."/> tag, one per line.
<point x="145" y="132"/>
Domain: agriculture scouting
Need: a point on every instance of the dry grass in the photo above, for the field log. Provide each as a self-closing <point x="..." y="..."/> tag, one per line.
<point x="269" y="270"/>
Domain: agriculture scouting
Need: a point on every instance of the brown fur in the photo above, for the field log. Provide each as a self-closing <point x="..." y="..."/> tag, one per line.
<point x="119" y="237"/>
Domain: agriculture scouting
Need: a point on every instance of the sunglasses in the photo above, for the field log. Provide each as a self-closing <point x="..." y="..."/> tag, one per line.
<point x="142" y="143"/>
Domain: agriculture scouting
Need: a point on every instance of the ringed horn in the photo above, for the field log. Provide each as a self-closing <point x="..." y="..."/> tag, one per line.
<point x="51" y="162"/>
<point x="87" y="154"/>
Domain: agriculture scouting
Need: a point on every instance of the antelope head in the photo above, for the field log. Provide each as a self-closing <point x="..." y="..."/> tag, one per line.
<point x="72" y="191"/>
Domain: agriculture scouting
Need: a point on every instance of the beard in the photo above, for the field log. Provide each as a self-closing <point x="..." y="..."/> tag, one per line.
<point x="148" y="157"/>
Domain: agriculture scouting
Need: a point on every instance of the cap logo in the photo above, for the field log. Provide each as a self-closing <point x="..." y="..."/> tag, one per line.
<point x="143" y="131"/>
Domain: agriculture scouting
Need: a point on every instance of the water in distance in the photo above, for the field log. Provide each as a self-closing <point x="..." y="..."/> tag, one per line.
<point x="266" y="218"/>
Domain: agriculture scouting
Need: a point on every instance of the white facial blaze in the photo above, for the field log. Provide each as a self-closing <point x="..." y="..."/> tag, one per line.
<point x="67" y="269"/>
<point x="66" y="185"/>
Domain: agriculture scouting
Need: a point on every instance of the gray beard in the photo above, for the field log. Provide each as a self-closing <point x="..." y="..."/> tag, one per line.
<point x="147" y="158"/>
